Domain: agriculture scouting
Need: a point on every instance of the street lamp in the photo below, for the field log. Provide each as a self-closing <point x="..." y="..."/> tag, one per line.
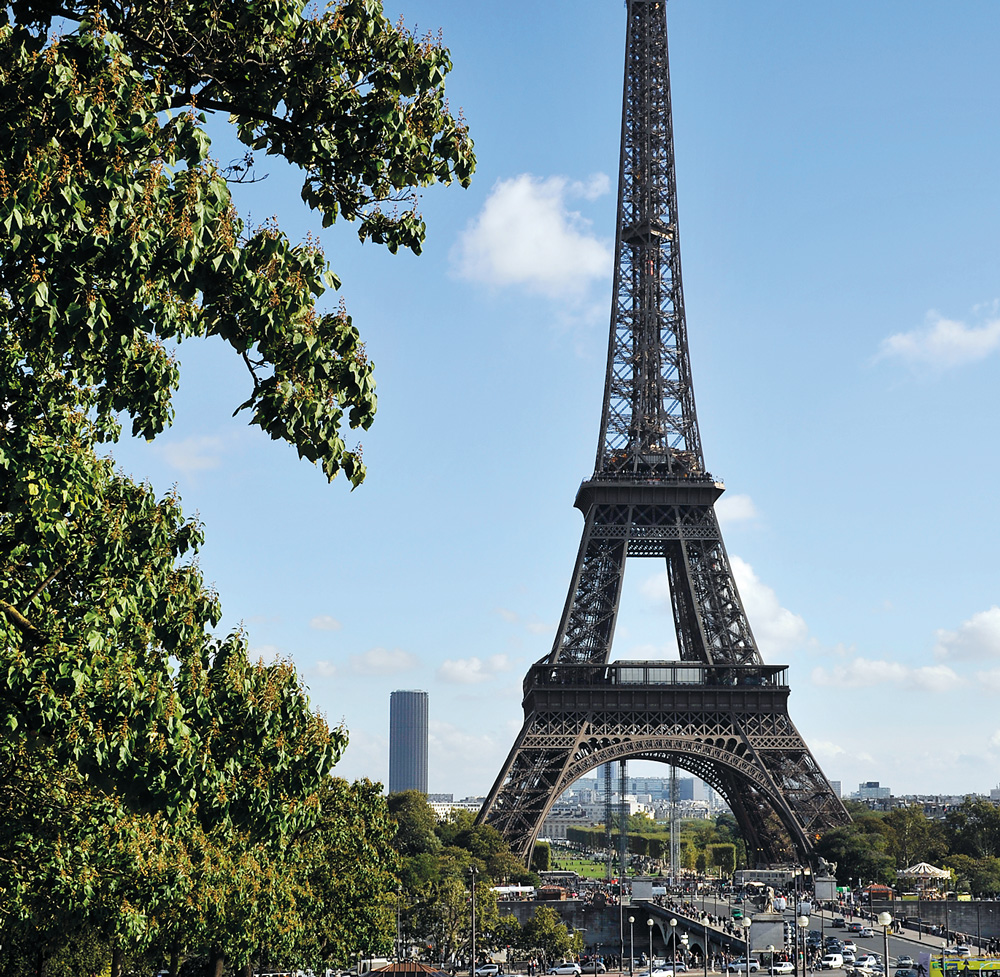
<point x="649" y="923"/>
<point x="399" y="900"/>
<point x="704" y="922"/>
<point x="473" y="872"/>
<point x="673" y="939"/>
<point x="745" y="923"/>
<point x="884" y="919"/>
<point x="770" y="950"/>
<point x="631" y="945"/>
<point x="684" y="949"/>
<point x="801" y="922"/>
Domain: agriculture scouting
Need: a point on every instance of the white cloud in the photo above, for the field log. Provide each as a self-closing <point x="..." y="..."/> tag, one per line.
<point x="324" y="622"/>
<point x="994" y="742"/>
<point x="453" y="748"/>
<point x="943" y="343"/>
<point x="382" y="661"/>
<point x="979" y="637"/>
<point x="861" y="673"/>
<point x="268" y="654"/>
<point x="472" y="671"/>
<point x="990" y="681"/>
<point x="194" y="454"/>
<point x="776" y="628"/>
<point x="527" y="235"/>
<point x="735" y="508"/>
<point x="324" y="669"/>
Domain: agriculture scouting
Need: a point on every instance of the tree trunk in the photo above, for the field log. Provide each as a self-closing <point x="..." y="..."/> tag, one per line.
<point x="218" y="962"/>
<point x="175" y="961"/>
<point x="40" y="964"/>
<point x="116" y="960"/>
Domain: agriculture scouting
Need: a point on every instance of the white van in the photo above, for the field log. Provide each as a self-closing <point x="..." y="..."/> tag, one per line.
<point x="832" y="961"/>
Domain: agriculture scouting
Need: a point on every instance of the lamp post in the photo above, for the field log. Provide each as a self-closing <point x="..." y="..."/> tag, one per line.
<point x="399" y="900"/>
<point x="944" y="966"/>
<point x="745" y="923"/>
<point x="704" y="922"/>
<point x="884" y="919"/>
<point x="631" y="945"/>
<point x="801" y="923"/>
<point x="473" y="872"/>
<point x="770" y="950"/>
<point x="673" y="939"/>
<point x="684" y="949"/>
<point x="649" y="923"/>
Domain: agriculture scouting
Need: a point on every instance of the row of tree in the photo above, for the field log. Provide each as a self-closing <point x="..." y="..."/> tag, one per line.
<point x="705" y="846"/>
<point x="163" y="797"/>
<point x="877" y="844"/>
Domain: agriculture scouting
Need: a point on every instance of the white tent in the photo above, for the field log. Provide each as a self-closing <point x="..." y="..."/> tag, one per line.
<point x="924" y="870"/>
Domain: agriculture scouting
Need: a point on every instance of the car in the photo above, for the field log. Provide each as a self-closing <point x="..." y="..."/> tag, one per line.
<point x="906" y="972"/>
<point x="961" y="950"/>
<point x="838" y="923"/>
<point x="863" y="959"/>
<point x="855" y="927"/>
<point x="488" y="970"/>
<point x="848" y="956"/>
<point x="851" y="945"/>
<point x="831" y="961"/>
<point x="905" y="962"/>
<point x="565" y="968"/>
<point x="593" y="967"/>
<point x="866" y="933"/>
<point x="740" y="966"/>
<point x="657" y="972"/>
<point x="781" y="967"/>
<point x="677" y="966"/>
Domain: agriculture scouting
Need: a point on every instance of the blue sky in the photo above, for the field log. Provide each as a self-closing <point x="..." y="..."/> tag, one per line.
<point x="839" y="204"/>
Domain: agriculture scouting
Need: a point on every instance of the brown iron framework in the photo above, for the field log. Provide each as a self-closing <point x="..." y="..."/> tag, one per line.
<point x="719" y="712"/>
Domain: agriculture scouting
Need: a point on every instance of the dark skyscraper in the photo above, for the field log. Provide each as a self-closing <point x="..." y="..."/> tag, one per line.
<point x="407" y="741"/>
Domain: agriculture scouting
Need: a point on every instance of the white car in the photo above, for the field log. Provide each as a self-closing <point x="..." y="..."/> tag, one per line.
<point x="657" y="972"/>
<point x="740" y="966"/>
<point x="782" y="967"/>
<point x="959" y="951"/>
<point x="565" y="968"/>
<point x="488" y="970"/>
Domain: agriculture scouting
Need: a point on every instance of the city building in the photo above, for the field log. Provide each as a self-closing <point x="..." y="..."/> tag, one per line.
<point x="835" y="785"/>
<point x="407" y="741"/>
<point x="871" y="790"/>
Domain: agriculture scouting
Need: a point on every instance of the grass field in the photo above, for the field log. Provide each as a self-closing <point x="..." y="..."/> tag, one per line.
<point x="582" y="866"/>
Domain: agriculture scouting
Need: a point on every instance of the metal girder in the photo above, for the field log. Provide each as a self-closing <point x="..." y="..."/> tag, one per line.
<point x="650" y="496"/>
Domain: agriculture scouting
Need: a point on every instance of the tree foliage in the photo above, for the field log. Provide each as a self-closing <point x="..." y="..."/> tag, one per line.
<point x="158" y="789"/>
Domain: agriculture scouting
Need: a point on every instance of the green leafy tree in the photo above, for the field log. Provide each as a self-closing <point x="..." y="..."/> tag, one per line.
<point x="546" y="935"/>
<point x="974" y="829"/>
<point x="144" y="736"/>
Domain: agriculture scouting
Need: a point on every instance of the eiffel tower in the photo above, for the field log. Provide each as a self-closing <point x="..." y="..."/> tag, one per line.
<point x="719" y="712"/>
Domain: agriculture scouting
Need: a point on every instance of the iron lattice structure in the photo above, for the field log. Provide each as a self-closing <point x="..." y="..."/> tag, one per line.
<point x="720" y="712"/>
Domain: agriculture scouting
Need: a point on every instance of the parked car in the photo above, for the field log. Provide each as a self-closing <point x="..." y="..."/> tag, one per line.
<point x="959" y="951"/>
<point x="831" y="961"/>
<point x="905" y="961"/>
<point x="565" y="968"/>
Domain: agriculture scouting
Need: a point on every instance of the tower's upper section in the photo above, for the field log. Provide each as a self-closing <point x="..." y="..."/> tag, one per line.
<point x="648" y="427"/>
